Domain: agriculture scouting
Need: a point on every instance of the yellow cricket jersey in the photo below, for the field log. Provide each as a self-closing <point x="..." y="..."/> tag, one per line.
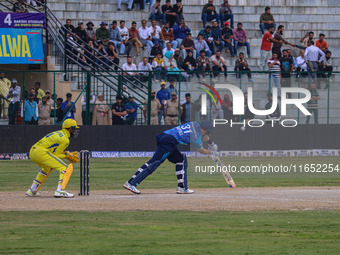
<point x="55" y="143"/>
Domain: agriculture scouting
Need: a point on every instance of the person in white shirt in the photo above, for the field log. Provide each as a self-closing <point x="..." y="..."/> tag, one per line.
<point x="301" y="64"/>
<point x="14" y="97"/>
<point x="168" y="48"/>
<point x="218" y="65"/>
<point x="156" y="33"/>
<point x="129" y="66"/>
<point x="145" y="36"/>
<point x="312" y="54"/>
<point x="124" y="33"/>
<point x="144" y="66"/>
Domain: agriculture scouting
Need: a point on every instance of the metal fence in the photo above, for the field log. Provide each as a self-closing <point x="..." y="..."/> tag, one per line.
<point x="86" y="86"/>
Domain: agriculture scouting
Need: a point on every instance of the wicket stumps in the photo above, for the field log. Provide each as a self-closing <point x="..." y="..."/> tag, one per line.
<point x="84" y="158"/>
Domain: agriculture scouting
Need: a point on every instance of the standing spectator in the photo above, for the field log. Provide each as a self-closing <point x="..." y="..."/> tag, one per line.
<point x="168" y="48"/>
<point x="209" y="13"/>
<point x="118" y="111"/>
<point x="171" y="88"/>
<point x="34" y="92"/>
<point x="274" y="67"/>
<point x="276" y="115"/>
<point x="218" y="65"/>
<point x="309" y="36"/>
<point x="301" y="64"/>
<point x="115" y="36"/>
<point x="14" y="97"/>
<point x="203" y="65"/>
<point x="313" y="56"/>
<point x="181" y="30"/>
<point x="170" y="15"/>
<point x="134" y="37"/>
<point x="80" y="32"/>
<point x="155" y="109"/>
<point x="226" y="13"/>
<point x="227" y="107"/>
<point x="20" y="7"/>
<point x="289" y="52"/>
<point x="216" y="34"/>
<point x="131" y="67"/>
<point x="241" y="39"/>
<point x="103" y="33"/>
<point x="171" y="110"/>
<point x="242" y="65"/>
<point x="266" y="20"/>
<point x="188" y="44"/>
<point x="168" y="36"/>
<point x="266" y="47"/>
<point x="100" y="111"/>
<point x="227" y="37"/>
<point x="44" y="112"/>
<point x="29" y="110"/>
<point x="112" y="56"/>
<point x="312" y="104"/>
<point x="39" y="92"/>
<point x="90" y="32"/>
<point x="59" y="113"/>
<point x="158" y="67"/>
<point x="178" y="9"/>
<point x="5" y="85"/>
<point x="131" y="109"/>
<point x="162" y="95"/>
<point x="188" y="110"/>
<point x="201" y="44"/>
<point x="83" y="109"/>
<point x="321" y="43"/>
<point x="144" y="66"/>
<point x="129" y="2"/>
<point x="156" y="33"/>
<point x="278" y="36"/>
<point x="216" y="109"/>
<point x="68" y="107"/>
<point x="145" y="36"/>
<point x="156" y="50"/>
<point x="287" y="67"/>
<point x="156" y="12"/>
<point x="124" y="34"/>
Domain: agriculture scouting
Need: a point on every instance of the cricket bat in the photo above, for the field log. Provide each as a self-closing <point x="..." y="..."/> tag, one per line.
<point x="226" y="174"/>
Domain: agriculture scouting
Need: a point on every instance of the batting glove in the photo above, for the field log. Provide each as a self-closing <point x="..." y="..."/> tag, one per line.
<point x="213" y="147"/>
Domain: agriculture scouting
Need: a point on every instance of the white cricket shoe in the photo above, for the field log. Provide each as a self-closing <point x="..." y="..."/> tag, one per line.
<point x="184" y="191"/>
<point x="63" y="193"/>
<point x="31" y="193"/>
<point x="132" y="188"/>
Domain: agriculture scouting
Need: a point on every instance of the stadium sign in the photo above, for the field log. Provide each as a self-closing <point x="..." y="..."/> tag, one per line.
<point x="22" y="20"/>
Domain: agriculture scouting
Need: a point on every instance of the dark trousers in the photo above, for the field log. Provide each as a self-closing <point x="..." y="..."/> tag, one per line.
<point x="31" y="122"/>
<point x="83" y="117"/>
<point x="12" y="112"/>
<point x="114" y="61"/>
<point x="316" y="115"/>
<point x="217" y="69"/>
<point x="240" y="69"/>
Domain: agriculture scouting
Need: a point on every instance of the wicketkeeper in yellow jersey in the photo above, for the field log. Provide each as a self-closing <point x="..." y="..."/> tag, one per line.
<point x="48" y="152"/>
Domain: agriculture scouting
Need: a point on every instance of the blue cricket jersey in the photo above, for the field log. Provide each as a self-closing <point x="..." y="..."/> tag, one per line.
<point x="187" y="133"/>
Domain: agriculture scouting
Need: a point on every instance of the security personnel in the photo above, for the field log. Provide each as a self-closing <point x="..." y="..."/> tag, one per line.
<point x="48" y="152"/>
<point x="171" y="110"/>
<point x="155" y="108"/>
<point x="5" y="85"/>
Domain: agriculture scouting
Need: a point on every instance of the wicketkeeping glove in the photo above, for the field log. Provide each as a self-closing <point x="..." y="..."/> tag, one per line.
<point x="72" y="156"/>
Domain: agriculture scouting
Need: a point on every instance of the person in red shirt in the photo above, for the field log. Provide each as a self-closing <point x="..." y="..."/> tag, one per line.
<point x="321" y="43"/>
<point x="266" y="46"/>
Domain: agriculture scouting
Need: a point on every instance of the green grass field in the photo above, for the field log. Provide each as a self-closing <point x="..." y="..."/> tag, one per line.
<point x="170" y="232"/>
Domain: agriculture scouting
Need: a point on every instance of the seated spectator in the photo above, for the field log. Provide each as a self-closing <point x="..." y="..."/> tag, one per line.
<point x="200" y="44"/>
<point x="88" y="55"/>
<point x="203" y="65"/>
<point x="156" y="12"/>
<point x="68" y="26"/>
<point x="180" y="31"/>
<point x="321" y="43"/>
<point x="101" y="55"/>
<point x="207" y="36"/>
<point x="226" y="13"/>
<point x="29" y="110"/>
<point x="266" y="20"/>
<point x="145" y="36"/>
<point x="178" y="9"/>
<point x="90" y="33"/>
<point x="217" y="36"/>
<point x="171" y="110"/>
<point x="20" y="7"/>
<point x="309" y="36"/>
<point x="326" y="66"/>
<point x="189" y="63"/>
<point x="178" y="58"/>
<point x="242" y="65"/>
<point x="103" y="33"/>
<point x="129" y="2"/>
<point x="130" y="68"/>
<point x="115" y="36"/>
<point x="144" y="66"/>
<point x="170" y="15"/>
<point x="168" y="36"/>
<point x="38" y="91"/>
<point x="80" y="32"/>
<point x="156" y="33"/>
<point x="171" y="88"/>
<point x="168" y="48"/>
<point x="274" y="67"/>
<point x="134" y="37"/>
<point x="125" y="43"/>
<point x="131" y="108"/>
<point x="118" y="111"/>
<point x="100" y="111"/>
<point x="84" y="109"/>
<point x="158" y="67"/>
<point x="209" y="13"/>
<point x="68" y="107"/>
<point x="156" y="50"/>
<point x="301" y="64"/>
<point x="112" y="56"/>
<point x="218" y="65"/>
<point x="227" y="37"/>
<point x="241" y="39"/>
<point x="188" y="44"/>
<point x="169" y="59"/>
<point x="312" y="104"/>
<point x="173" y="73"/>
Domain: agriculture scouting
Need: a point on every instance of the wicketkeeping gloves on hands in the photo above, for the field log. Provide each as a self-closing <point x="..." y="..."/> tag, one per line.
<point x="72" y="156"/>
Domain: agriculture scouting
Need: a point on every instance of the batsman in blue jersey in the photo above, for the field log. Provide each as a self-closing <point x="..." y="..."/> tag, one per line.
<point x="189" y="133"/>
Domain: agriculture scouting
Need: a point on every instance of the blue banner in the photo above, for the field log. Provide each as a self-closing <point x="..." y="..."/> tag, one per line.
<point x="21" y="46"/>
<point x="22" y="20"/>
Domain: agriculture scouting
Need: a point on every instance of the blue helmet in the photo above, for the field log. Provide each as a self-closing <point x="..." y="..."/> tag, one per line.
<point x="207" y="125"/>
